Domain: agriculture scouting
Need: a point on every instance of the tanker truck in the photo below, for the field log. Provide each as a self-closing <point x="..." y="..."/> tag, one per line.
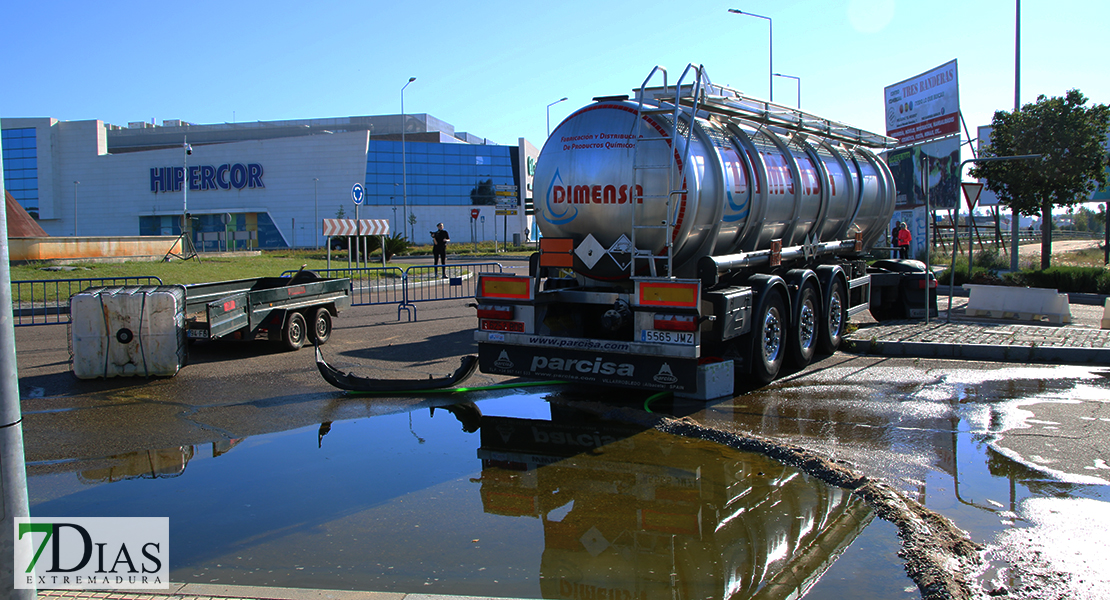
<point x="693" y="238"/>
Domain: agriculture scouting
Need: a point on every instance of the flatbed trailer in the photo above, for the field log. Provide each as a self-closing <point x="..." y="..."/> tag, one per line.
<point x="290" y="309"/>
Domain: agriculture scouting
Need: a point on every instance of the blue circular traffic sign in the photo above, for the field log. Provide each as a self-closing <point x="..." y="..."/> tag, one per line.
<point x="357" y="193"/>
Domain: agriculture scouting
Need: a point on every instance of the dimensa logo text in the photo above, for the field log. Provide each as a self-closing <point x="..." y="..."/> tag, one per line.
<point x="92" y="553"/>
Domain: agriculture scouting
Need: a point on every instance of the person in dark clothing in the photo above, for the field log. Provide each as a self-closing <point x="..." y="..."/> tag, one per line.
<point x="440" y="237"/>
<point x="904" y="239"/>
<point x="896" y="247"/>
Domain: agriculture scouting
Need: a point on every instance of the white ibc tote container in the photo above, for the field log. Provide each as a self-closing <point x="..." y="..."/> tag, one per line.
<point x="128" y="331"/>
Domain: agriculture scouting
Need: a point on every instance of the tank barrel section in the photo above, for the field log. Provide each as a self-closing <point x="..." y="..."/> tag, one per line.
<point x="692" y="169"/>
<point x="710" y="267"/>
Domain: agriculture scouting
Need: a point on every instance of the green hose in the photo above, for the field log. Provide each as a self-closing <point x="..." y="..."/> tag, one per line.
<point x="653" y="398"/>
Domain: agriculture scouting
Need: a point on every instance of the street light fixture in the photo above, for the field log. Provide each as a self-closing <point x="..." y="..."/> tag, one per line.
<point x="799" y="81"/>
<point x="404" y="174"/>
<point x="770" y="51"/>
<point x="549" y="114"/>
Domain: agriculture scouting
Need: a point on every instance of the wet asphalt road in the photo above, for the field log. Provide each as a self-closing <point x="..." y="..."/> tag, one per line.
<point x="935" y="429"/>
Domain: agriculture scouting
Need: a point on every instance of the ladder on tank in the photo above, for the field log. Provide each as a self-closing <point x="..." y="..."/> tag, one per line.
<point x="675" y="165"/>
<point x="707" y="100"/>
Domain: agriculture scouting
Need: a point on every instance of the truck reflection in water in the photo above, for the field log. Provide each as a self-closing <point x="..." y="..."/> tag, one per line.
<point x="630" y="514"/>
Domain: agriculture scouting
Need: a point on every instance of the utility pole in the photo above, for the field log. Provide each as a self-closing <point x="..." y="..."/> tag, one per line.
<point x="13" y="470"/>
<point x="1015" y="226"/>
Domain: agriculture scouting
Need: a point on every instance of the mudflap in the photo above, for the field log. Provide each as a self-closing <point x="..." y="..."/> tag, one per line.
<point x="601" y="368"/>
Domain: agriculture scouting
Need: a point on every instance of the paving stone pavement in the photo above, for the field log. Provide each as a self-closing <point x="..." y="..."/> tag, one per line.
<point x="1081" y="341"/>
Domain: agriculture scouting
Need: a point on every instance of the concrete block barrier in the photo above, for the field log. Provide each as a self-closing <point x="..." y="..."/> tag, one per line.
<point x="1025" y="304"/>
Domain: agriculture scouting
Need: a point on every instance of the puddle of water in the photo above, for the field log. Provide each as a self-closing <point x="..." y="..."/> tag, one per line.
<point x="1013" y="456"/>
<point x="538" y="503"/>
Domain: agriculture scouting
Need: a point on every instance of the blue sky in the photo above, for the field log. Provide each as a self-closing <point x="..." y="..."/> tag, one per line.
<point x="492" y="67"/>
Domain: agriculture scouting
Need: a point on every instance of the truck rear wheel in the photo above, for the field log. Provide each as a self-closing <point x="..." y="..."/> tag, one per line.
<point x="804" y="326"/>
<point x="295" y="331"/>
<point x="767" y="338"/>
<point x="834" y="319"/>
<point x="320" y="331"/>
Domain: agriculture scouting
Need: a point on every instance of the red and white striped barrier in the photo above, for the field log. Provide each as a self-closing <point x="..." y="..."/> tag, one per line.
<point x="340" y="227"/>
<point x="353" y="227"/>
<point x="373" y="226"/>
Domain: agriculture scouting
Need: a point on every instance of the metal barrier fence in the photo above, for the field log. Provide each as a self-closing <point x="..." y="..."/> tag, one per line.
<point x="46" y="301"/>
<point x="418" y="283"/>
<point x="426" y="283"/>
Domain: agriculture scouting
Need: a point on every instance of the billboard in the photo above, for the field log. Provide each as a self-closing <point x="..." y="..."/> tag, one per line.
<point x="942" y="157"/>
<point x="924" y="107"/>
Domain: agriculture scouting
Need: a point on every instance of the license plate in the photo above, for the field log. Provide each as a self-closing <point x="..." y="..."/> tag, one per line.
<point x="654" y="336"/>
<point x="196" y="333"/>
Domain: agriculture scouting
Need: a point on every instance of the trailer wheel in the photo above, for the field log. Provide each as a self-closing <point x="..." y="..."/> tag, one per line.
<point x="804" y="326"/>
<point x="295" y="331"/>
<point x="321" y="327"/>
<point x="767" y="341"/>
<point x="834" y="319"/>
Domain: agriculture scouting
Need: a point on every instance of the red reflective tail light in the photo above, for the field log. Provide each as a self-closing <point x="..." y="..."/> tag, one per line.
<point x="676" y="322"/>
<point x="503" y="313"/>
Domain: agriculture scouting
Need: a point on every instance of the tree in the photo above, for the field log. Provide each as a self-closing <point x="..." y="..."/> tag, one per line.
<point x="1068" y="136"/>
<point x="483" y="193"/>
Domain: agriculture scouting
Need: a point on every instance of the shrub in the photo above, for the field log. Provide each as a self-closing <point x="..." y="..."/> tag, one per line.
<point x="395" y="244"/>
<point x="1090" y="280"/>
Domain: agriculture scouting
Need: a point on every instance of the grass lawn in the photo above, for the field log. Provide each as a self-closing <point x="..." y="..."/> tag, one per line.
<point x="214" y="267"/>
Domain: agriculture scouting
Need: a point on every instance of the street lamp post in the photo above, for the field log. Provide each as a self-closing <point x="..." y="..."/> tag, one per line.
<point x="75" y="184"/>
<point x="404" y="174"/>
<point x="316" y="202"/>
<point x="549" y="114"/>
<point x="185" y="183"/>
<point x="770" y="50"/>
<point x="799" y="81"/>
<point x="1015" y="226"/>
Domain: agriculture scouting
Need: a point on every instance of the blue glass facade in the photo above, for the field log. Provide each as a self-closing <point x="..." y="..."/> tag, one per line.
<point x="21" y="169"/>
<point x="437" y="174"/>
<point x="260" y="230"/>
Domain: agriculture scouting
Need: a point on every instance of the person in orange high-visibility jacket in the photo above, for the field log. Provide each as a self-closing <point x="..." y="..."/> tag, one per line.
<point x="904" y="239"/>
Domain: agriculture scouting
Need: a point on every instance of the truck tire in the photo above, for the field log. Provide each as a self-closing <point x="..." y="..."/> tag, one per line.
<point x="295" y="331"/>
<point x="768" y="345"/>
<point x="320" y="331"/>
<point x="804" y="324"/>
<point x="834" y="318"/>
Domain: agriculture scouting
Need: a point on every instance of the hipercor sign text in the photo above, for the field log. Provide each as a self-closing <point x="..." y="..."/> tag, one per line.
<point x="207" y="177"/>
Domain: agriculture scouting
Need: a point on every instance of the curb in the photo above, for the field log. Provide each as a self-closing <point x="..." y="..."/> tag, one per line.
<point x="1016" y="354"/>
